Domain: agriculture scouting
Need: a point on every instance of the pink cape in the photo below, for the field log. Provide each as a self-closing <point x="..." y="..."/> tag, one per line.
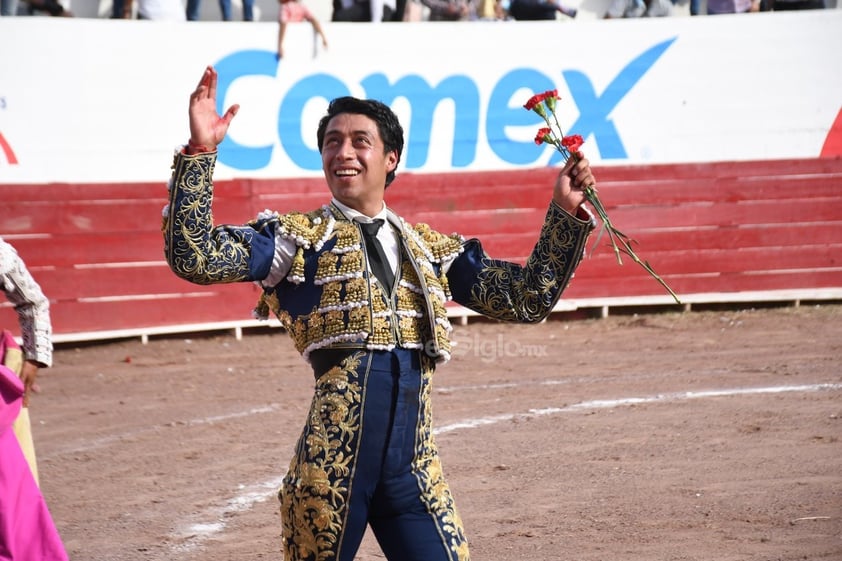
<point x="27" y="532"/>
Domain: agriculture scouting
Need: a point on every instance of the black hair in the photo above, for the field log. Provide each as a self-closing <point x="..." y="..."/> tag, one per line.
<point x="388" y="125"/>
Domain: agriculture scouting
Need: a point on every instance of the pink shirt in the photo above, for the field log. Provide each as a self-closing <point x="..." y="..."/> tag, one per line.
<point x="294" y="11"/>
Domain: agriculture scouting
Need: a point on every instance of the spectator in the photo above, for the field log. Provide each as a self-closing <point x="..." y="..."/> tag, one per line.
<point x="638" y="8"/>
<point x="193" y="6"/>
<point x="658" y="8"/>
<point x="8" y="7"/>
<point x="782" y="5"/>
<point x="52" y="7"/>
<point x="293" y="11"/>
<point x="450" y="10"/>
<point x="533" y="10"/>
<point x="121" y="9"/>
<point x="618" y="9"/>
<point x="368" y="10"/>
<point x="153" y="10"/>
<point x="716" y="7"/>
<point x="160" y="10"/>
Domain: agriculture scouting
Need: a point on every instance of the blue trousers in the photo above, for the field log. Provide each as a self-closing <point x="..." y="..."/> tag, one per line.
<point x="192" y="10"/>
<point x="367" y="457"/>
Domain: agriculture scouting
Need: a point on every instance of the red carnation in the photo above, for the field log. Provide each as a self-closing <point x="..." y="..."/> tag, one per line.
<point x="543" y="135"/>
<point x="573" y="142"/>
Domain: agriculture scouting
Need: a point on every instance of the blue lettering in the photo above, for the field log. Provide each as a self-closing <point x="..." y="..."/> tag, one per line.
<point x="594" y="110"/>
<point x="242" y="63"/>
<point x="501" y="115"/>
<point x="423" y="99"/>
<point x="289" y="118"/>
<point x="593" y="120"/>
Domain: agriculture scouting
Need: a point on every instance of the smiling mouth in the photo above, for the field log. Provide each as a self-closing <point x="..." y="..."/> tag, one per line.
<point x="346" y="172"/>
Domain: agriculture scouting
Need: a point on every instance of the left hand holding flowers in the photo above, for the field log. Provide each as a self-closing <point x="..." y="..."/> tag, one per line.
<point x="573" y="179"/>
<point x="576" y="183"/>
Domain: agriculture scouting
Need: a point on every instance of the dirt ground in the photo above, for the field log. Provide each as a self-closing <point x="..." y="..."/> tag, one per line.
<point x="704" y="435"/>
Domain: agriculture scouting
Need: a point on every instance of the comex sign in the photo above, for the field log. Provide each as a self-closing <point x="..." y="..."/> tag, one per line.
<point x="594" y="110"/>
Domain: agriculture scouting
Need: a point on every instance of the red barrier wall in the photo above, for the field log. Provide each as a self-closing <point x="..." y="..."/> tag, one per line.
<point x="711" y="231"/>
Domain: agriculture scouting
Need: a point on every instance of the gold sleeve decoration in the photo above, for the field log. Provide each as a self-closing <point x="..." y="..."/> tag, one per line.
<point x="196" y="250"/>
<point x="510" y="292"/>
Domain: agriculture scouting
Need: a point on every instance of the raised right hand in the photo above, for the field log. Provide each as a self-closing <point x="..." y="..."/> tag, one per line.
<point x="207" y="128"/>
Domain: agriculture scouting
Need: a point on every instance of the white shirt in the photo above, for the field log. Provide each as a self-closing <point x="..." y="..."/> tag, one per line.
<point x="32" y="307"/>
<point x="161" y="10"/>
<point x="385" y="235"/>
<point x="285" y="248"/>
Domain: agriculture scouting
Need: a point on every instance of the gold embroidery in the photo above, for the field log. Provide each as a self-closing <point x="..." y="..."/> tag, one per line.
<point x="296" y="271"/>
<point x="349" y="309"/>
<point x="334" y="324"/>
<point x="347" y="237"/>
<point x="308" y="230"/>
<point x="195" y="250"/>
<point x="327" y="267"/>
<point x="330" y="295"/>
<point x="314" y="493"/>
<point x="356" y="290"/>
<point x="509" y="292"/>
<point x="427" y="469"/>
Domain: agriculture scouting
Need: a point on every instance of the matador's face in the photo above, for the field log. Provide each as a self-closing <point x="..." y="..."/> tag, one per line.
<point x="355" y="162"/>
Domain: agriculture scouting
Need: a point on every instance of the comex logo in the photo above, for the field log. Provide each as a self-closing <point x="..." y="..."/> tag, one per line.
<point x="485" y="116"/>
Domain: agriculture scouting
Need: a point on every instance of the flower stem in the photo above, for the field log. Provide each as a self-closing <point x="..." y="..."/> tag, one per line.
<point x="620" y="242"/>
<point x="568" y="147"/>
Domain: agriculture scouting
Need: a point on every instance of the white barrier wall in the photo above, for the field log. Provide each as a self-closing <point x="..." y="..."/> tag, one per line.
<point x="90" y="100"/>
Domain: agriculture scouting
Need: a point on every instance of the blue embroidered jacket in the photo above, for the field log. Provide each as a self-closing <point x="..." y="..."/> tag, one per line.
<point x="328" y="299"/>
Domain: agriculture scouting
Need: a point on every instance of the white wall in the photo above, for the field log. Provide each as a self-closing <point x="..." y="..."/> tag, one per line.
<point x="106" y="100"/>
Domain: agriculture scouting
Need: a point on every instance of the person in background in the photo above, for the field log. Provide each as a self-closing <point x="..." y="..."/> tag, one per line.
<point x="193" y="7"/>
<point x="33" y="311"/>
<point x="293" y="11"/>
<point x="618" y="9"/>
<point x="716" y="7"/>
<point x="492" y="10"/>
<point x="785" y="5"/>
<point x="450" y="10"/>
<point x="27" y="531"/>
<point x="51" y="7"/>
<point x="362" y="294"/>
<point x="374" y="11"/>
<point x="535" y="10"/>
<point x="8" y="7"/>
<point x="161" y="10"/>
<point x="121" y="9"/>
<point x="152" y="10"/>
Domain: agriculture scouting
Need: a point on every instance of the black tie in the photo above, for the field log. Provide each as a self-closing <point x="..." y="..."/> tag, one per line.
<point x="376" y="257"/>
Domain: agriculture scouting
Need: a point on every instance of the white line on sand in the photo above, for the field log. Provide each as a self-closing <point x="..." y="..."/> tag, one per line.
<point x="197" y="533"/>
<point x="608" y="403"/>
<point x="107" y="440"/>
